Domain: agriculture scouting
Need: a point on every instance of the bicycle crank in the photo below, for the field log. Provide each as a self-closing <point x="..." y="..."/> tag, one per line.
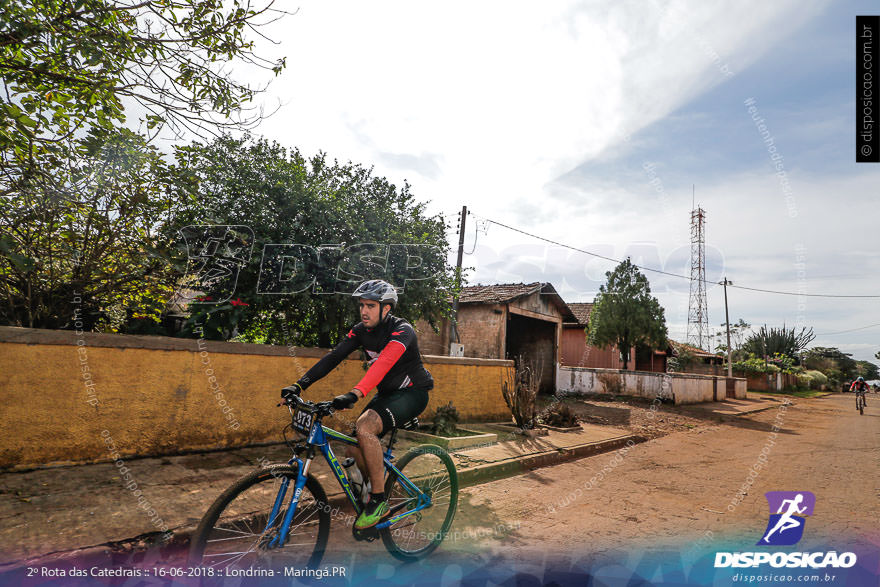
<point x="367" y="534"/>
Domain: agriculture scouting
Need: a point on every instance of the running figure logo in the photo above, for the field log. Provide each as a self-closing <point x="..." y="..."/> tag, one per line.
<point x="788" y="511"/>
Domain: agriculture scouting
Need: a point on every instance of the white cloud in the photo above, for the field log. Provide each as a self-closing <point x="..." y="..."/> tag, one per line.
<point x="486" y="104"/>
<point x="500" y="97"/>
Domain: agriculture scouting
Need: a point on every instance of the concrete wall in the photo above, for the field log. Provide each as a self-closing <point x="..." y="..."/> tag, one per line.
<point x="158" y="395"/>
<point x="682" y="388"/>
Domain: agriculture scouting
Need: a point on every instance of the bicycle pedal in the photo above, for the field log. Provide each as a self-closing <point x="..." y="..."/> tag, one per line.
<point x="365" y="535"/>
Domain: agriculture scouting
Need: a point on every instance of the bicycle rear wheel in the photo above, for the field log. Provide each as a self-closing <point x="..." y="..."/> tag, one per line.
<point x="237" y="529"/>
<point x="430" y="469"/>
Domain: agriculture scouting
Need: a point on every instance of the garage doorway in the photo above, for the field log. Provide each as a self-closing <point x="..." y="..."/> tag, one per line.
<point x="535" y="341"/>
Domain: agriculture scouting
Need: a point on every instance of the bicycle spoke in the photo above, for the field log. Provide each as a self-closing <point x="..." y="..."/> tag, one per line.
<point x="244" y="531"/>
<point x="224" y="539"/>
<point x="421" y="530"/>
<point x="233" y="531"/>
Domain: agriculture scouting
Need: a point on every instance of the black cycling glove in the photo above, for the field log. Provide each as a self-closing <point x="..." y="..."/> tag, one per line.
<point x="291" y="390"/>
<point x="345" y="401"/>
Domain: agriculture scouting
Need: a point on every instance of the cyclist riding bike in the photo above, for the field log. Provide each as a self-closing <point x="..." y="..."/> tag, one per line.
<point x="859" y="386"/>
<point x="396" y="371"/>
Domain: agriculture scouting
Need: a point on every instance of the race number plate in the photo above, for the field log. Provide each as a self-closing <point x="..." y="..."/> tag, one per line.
<point x="302" y="421"/>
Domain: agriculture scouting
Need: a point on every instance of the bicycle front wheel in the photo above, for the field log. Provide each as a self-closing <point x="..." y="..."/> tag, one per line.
<point x="238" y="530"/>
<point x="430" y="469"/>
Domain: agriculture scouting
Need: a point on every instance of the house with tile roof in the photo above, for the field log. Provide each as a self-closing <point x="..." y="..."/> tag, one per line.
<point x="506" y="321"/>
<point x="703" y="362"/>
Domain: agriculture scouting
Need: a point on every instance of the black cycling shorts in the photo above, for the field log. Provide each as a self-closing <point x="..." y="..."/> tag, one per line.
<point x="395" y="408"/>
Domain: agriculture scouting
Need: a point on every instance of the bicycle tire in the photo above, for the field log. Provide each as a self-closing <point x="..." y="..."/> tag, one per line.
<point x="311" y="522"/>
<point x="433" y="472"/>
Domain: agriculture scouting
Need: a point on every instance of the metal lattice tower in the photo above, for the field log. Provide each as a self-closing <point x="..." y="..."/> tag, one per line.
<point x="698" y="316"/>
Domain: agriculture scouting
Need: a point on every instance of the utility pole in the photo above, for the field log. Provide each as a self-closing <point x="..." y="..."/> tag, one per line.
<point x="725" y="283"/>
<point x="453" y="331"/>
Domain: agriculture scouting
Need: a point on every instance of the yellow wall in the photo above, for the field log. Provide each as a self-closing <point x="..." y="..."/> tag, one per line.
<point x="61" y="390"/>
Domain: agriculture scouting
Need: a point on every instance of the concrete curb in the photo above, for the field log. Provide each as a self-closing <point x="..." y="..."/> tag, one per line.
<point x="517" y="465"/>
<point x="752" y="411"/>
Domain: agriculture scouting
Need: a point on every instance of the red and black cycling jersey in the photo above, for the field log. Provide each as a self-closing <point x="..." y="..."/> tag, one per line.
<point x="858" y="386"/>
<point x="393" y="353"/>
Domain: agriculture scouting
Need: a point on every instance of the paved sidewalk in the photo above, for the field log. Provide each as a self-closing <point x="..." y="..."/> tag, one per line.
<point x="739" y="407"/>
<point x="52" y="513"/>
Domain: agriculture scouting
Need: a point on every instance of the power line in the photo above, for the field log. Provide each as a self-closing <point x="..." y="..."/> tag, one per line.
<point x="851" y="330"/>
<point x="660" y="271"/>
<point x="790" y="293"/>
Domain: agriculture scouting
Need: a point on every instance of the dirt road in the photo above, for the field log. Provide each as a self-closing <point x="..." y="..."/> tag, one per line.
<point x="694" y="485"/>
<point x="699" y="487"/>
<point x="701" y="484"/>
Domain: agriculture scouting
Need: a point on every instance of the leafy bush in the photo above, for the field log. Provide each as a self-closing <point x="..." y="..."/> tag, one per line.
<point x="445" y="421"/>
<point x="783" y="362"/>
<point x="684" y="356"/>
<point x="817" y="379"/>
<point x="835" y="376"/>
<point x="755" y="365"/>
<point x="804" y="381"/>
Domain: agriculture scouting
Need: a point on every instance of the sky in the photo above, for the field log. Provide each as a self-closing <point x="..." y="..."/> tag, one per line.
<point x="599" y="125"/>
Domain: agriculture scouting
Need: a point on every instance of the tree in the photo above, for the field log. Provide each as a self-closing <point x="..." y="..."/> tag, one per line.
<point x="682" y="359"/>
<point x="286" y="199"/>
<point x="625" y="314"/>
<point x="737" y="333"/>
<point x="868" y="370"/>
<point x="87" y="244"/>
<point x="778" y="341"/>
<point x="83" y="205"/>
<point x="67" y="67"/>
<point x="831" y="361"/>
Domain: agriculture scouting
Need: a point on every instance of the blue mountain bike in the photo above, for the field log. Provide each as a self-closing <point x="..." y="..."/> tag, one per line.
<point x="280" y="514"/>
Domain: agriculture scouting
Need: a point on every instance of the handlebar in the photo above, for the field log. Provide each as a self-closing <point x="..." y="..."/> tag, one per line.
<point x="321" y="408"/>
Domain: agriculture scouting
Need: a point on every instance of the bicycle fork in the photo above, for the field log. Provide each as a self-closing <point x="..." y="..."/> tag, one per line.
<point x="281" y="537"/>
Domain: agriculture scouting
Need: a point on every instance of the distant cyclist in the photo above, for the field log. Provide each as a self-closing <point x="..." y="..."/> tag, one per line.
<point x="396" y="371"/>
<point x="859" y="386"/>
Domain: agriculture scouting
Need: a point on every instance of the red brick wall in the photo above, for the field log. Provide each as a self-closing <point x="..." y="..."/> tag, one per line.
<point x="481" y="330"/>
<point x="704" y="369"/>
<point x="652" y="362"/>
<point x="430" y="342"/>
<point x="576" y="353"/>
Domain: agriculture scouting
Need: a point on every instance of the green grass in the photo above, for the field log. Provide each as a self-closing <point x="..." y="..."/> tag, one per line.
<point x="801" y="394"/>
<point x="459" y="432"/>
